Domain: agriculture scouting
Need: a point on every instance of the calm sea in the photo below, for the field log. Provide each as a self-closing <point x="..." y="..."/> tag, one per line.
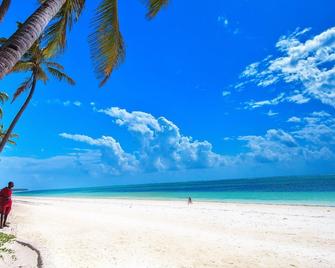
<point x="307" y="190"/>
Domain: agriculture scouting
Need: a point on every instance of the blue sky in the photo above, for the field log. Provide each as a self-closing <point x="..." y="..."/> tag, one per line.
<point x="226" y="90"/>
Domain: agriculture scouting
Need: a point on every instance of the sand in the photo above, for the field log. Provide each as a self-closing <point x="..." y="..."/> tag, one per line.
<point x="73" y="233"/>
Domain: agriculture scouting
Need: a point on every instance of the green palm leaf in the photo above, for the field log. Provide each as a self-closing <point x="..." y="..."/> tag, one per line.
<point x="3" y="97"/>
<point x="41" y="75"/>
<point x="106" y="42"/>
<point x="2" y="134"/>
<point x="56" y="33"/>
<point x="24" y="86"/>
<point x="60" y="75"/>
<point x="2" y="40"/>
<point x="154" y="6"/>
<point x="23" y="66"/>
<point x="55" y="65"/>
<point x="4" y="8"/>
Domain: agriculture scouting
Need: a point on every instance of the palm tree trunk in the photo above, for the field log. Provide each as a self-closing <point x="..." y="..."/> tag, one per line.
<point x="18" y="44"/>
<point x="18" y="115"/>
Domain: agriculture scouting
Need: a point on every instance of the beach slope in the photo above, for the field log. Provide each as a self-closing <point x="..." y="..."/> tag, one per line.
<point x="142" y="233"/>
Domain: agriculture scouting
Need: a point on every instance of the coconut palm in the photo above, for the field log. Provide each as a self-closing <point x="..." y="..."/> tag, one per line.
<point x="12" y="136"/>
<point x="106" y="42"/>
<point x="4" y="8"/>
<point x="3" y="99"/>
<point x="39" y="66"/>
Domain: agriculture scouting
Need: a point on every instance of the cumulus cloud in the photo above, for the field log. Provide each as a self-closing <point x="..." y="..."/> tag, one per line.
<point x="115" y="156"/>
<point x="308" y="64"/>
<point x="162" y="146"/>
<point x="314" y="139"/>
<point x="274" y="146"/>
<point x="318" y="130"/>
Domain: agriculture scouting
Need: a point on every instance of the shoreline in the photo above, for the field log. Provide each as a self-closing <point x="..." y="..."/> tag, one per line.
<point x="127" y="233"/>
<point x="201" y="200"/>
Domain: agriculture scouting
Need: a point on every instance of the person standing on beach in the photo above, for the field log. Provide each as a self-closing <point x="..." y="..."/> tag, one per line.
<point x="5" y="203"/>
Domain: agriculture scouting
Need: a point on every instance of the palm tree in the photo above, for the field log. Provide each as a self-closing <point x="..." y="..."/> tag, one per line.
<point x="38" y="64"/>
<point x="10" y="140"/>
<point x="4" y="8"/>
<point x="106" y="42"/>
<point x="3" y="99"/>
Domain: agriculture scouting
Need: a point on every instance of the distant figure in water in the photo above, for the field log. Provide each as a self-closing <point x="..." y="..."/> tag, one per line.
<point x="5" y="203"/>
<point x="189" y="201"/>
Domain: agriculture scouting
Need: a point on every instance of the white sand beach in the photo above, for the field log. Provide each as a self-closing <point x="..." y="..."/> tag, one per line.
<point x="72" y="233"/>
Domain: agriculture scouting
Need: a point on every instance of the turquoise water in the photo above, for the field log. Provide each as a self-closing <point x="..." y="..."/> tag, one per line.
<point x="311" y="190"/>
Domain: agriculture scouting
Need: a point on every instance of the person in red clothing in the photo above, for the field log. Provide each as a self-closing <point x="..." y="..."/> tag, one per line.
<point x="5" y="203"/>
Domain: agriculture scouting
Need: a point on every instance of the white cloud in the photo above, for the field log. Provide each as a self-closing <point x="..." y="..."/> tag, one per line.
<point x="223" y="20"/>
<point x="313" y="139"/>
<point x="318" y="130"/>
<point x="295" y="98"/>
<point x="162" y="146"/>
<point x="271" y="113"/>
<point x="66" y="103"/>
<point x="274" y="146"/>
<point x="225" y="93"/>
<point x="79" y="167"/>
<point x="256" y="104"/>
<point x="294" y="119"/>
<point x="228" y="25"/>
<point x="77" y="103"/>
<point x="298" y="98"/>
<point x="115" y="155"/>
<point x="309" y="65"/>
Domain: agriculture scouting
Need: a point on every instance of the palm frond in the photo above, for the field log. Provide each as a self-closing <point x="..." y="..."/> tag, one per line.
<point x="61" y="75"/>
<point x="23" y="66"/>
<point x="41" y="74"/>
<point x="3" y="98"/>
<point x="56" y="34"/>
<point x="24" y="86"/>
<point x="54" y="65"/>
<point x="106" y="42"/>
<point x="2" y="40"/>
<point x="4" y="8"/>
<point x="154" y="6"/>
<point x="12" y="136"/>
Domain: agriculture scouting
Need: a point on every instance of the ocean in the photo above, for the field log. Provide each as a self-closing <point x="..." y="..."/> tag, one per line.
<point x="303" y="190"/>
